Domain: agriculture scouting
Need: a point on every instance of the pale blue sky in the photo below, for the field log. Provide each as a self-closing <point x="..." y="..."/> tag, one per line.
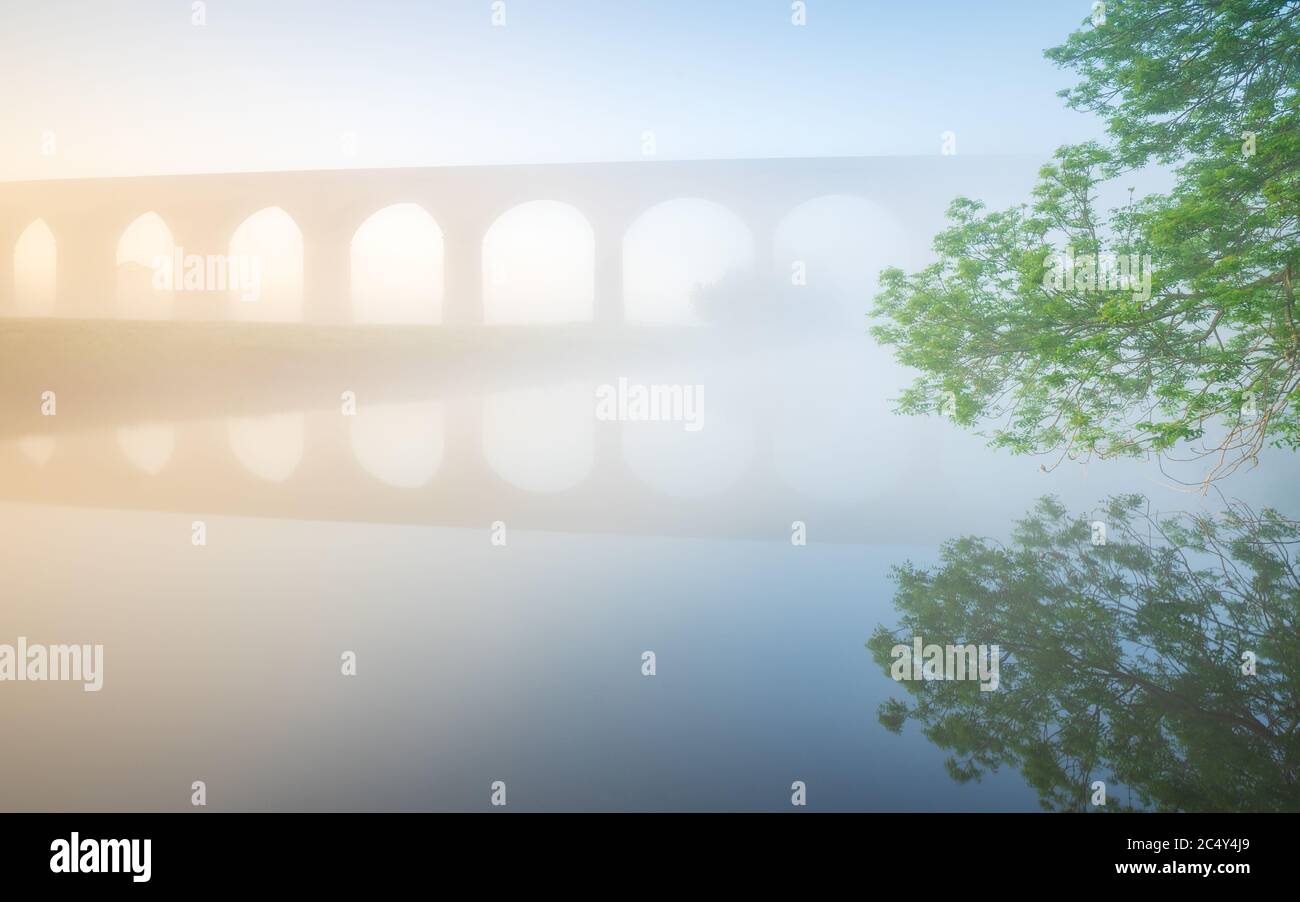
<point x="134" y="88"/>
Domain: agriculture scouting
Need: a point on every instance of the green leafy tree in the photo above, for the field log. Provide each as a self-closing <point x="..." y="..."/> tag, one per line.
<point x="1209" y="360"/>
<point x="1120" y="662"/>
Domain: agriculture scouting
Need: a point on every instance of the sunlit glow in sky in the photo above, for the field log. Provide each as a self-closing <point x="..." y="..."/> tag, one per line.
<point x="97" y="89"/>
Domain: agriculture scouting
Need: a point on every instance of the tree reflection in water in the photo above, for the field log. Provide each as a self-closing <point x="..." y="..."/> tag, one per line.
<point x="1122" y="662"/>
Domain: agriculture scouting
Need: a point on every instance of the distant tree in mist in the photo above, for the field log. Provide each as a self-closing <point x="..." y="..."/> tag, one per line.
<point x="744" y="302"/>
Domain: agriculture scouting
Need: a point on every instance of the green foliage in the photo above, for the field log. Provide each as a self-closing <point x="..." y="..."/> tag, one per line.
<point x="1211" y="359"/>
<point x="1122" y="661"/>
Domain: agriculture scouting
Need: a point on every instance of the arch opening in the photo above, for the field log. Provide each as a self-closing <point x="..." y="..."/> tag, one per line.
<point x="145" y="269"/>
<point x="539" y="266"/>
<point x="677" y="250"/>
<point x="35" y="271"/>
<point x="266" y="256"/>
<point x="397" y="267"/>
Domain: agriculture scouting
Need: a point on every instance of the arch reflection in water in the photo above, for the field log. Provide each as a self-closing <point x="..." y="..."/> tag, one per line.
<point x="37" y="448"/>
<point x="541" y="439"/>
<point x="686" y="464"/>
<point x="835" y="442"/>
<point x="269" y="447"/>
<point x="149" y="446"/>
<point x="400" y="444"/>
